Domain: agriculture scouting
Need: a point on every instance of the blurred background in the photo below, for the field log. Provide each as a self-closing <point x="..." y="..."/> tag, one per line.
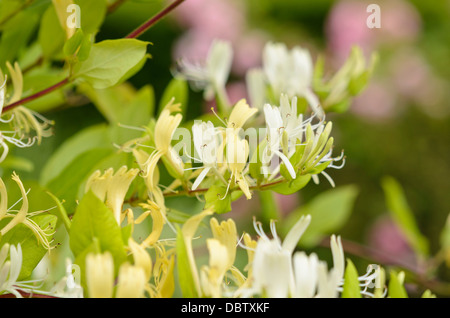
<point x="399" y="126"/>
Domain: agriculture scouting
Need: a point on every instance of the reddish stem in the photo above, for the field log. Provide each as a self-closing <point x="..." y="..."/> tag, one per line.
<point x="147" y="25"/>
<point x="37" y="95"/>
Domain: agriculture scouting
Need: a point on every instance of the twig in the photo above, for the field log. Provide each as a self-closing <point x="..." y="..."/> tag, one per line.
<point x="135" y="34"/>
<point x="113" y="7"/>
<point x="148" y="24"/>
<point x="203" y="190"/>
<point x="37" y="95"/>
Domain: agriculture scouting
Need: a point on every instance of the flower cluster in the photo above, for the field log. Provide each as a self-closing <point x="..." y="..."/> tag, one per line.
<point x="26" y="127"/>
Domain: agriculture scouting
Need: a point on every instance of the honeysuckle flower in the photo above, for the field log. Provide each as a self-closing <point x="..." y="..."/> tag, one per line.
<point x="212" y="75"/>
<point x="188" y="231"/>
<point x="100" y="275"/>
<point x="164" y="130"/>
<point x="240" y="114"/>
<point x="312" y="278"/>
<point x="225" y="232"/>
<point x="131" y="282"/>
<point x="353" y="69"/>
<point x="290" y="72"/>
<point x="141" y="258"/>
<point x="158" y="220"/>
<point x="27" y="126"/>
<point x="112" y="187"/>
<point x="207" y="146"/>
<point x="10" y="271"/>
<point x="21" y="216"/>
<point x="317" y="153"/>
<point x="68" y="286"/>
<point x="272" y="264"/>
<point x="237" y="156"/>
<point x="256" y="87"/>
<point x="275" y="131"/>
<point x="163" y="273"/>
<point x="212" y="276"/>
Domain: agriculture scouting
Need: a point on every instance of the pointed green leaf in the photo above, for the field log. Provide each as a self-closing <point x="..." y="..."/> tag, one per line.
<point x="351" y="282"/>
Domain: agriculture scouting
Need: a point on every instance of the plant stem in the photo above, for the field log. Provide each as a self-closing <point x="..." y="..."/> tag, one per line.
<point x="149" y="23"/>
<point x="113" y="7"/>
<point x="136" y="33"/>
<point x="200" y="191"/>
<point x="37" y="95"/>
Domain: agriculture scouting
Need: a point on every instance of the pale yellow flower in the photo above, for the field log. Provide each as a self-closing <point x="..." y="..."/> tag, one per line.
<point x="141" y="258"/>
<point x="131" y="283"/>
<point x="240" y="114"/>
<point x="21" y="216"/>
<point x="112" y="187"/>
<point x="212" y="275"/>
<point x="237" y="156"/>
<point x="100" y="275"/>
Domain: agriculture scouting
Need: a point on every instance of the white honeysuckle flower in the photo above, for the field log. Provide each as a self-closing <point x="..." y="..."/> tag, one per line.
<point x="68" y="286"/>
<point x="212" y="75"/>
<point x="256" y="87"/>
<point x="206" y="144"/>
<point x="274" y="136"/>
<point x="290" y="72"/>
<point x="272" y="263"/>
<point x="327" y="282"/>
<point x="306" y="274"/>
<point x="278" y="273"/>
<point x="27" y="126"/>
<point x="10" y="271"/>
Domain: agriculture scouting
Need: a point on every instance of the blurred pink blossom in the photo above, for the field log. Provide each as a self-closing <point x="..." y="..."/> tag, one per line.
<point x="347" y="26"/>
<point x="386" y="237"/>
<point x="223" y="19"/>
<point x="287" y="203"/>
<point x="376" y="103"/>
<point x="207" y="20"/>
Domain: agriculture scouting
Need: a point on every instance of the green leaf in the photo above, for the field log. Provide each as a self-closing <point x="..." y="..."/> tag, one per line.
<point x="357" y="84"/>
<point x="17" y="35"/>
<point x="293" y="186"/>
<point x="269" y="207"/>
<point x="178" y="89"/>
<point x="94" y="220"/>
<point x="66" y="185"/>
<point x="92" y="14"/>
<point x="428" y="294"/>
<point x="403" y="216"/>
<point x="62" y="212"/>
<point x="40" y="79"/>
<point x="85" y="140"/>
<point x="17" y="163"/>
<point x="395" y="288"/>
<point x="32" y="250"/>
<point x="51" y="34"/>
<point x="329" y="212"/>
<point x="351" y="282"/>
<point x="185" y="279"/>
<point x="71" y="46"/>
<point x="109" y="61"/>
<point x="215" y="197"/>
